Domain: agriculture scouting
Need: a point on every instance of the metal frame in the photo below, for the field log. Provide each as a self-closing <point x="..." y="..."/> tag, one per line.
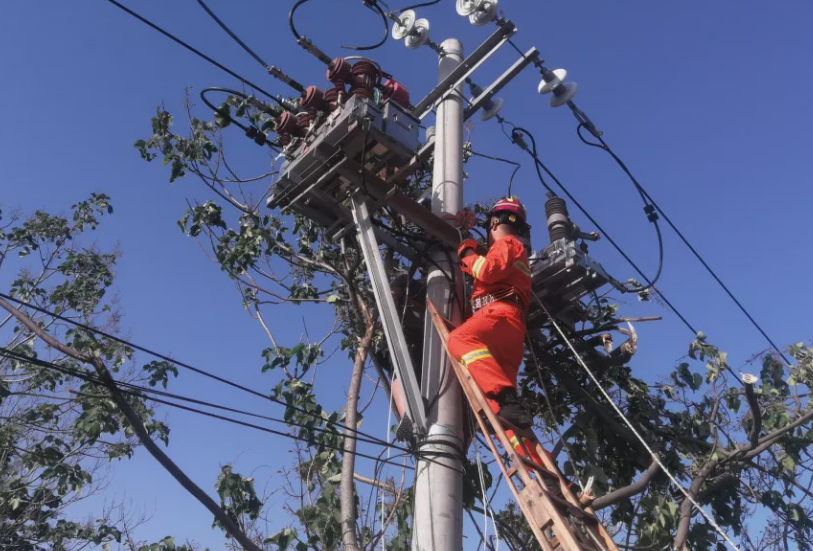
<point x="393" y="331"/>
<point x="447" y="86"/>
<point x="531" y="56"/>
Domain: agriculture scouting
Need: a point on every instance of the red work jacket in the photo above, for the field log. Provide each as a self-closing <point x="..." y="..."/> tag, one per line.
<point x="502" y="271"/>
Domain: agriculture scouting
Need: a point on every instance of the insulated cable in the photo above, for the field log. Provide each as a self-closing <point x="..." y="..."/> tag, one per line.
<point x="139" y="391"/>
<point x="147" y="393"/>
<point x="191" y="49"/>
<point x="604" y="146"/>
<point x="373" y="5"/>
<point x="517" y="166"/>
<point x="236" y="38"/>
<point x="632" y="428"/>
<point x="178" y="363"/>
<point x="647" y="209"/>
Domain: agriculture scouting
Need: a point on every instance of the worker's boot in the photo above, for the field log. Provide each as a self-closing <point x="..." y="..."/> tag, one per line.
<point x="511" y="410"/>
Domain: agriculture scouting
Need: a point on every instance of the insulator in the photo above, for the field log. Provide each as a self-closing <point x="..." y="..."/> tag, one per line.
<point x="338" y="71"/>
<point x="288" y="124"/>
<point x="404" y="25"/>
<point x="551" y="80"/>
<point x="395" y="91"/>
<point x="559" y="224"/>
<point x="305" y="119"/>
<point x="485" y="13"/>
<point x="491" y="108"/>
<point x="563" y="94"/>
<point x="419" y="35"/>
<point x="332" y="96"/>
<point x="466" y="7"/>
<point x="313" y="98"/>
<point x="365" y="76"/>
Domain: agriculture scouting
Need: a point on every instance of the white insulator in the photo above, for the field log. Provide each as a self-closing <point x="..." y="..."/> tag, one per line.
<point x="491" y="109"/>
<point x="419" y="35"/>
<point x="485" y="13"/>
<point x="546" y="86"/>
<point x="568" y="91"/>
<point x="405" y="24"/>
<point x="467" y="7"/>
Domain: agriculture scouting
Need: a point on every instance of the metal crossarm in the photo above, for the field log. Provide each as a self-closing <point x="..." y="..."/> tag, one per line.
<point x="555" y="515"/>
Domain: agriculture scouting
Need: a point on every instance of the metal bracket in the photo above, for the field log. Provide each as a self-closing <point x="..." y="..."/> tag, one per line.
<point x="505" y="30"/>
<point x="393" y="332"/>
<point x="529" y="57"/>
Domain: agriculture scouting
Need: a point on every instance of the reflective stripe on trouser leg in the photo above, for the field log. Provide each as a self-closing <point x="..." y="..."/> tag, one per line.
<point x="524" y="448"/>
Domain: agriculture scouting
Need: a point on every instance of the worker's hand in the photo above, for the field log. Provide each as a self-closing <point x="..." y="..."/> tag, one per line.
<point x="467" y="247"/>
<point x="464" y="220"/>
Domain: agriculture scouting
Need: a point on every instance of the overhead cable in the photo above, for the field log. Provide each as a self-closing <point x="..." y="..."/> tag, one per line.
<point x="179" y="363"/>
<point x="192" y="49"/>
<point x="604" y="146"/>
<point x="538" y="163"/>
<point x="236" y="38"/>
<point x="644" y="443"/>
<point x="88" y="377"/>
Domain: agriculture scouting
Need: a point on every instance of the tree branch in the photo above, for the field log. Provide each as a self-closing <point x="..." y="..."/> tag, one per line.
<point x="138" y="427"/>
<point x="628" y="491"/>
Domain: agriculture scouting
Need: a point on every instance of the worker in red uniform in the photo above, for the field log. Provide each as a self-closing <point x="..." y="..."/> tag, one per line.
<point x="491" y="343"/>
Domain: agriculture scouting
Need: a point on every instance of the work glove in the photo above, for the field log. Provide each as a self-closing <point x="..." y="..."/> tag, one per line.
<point x="464" y="220"/>
<point x="466" y="245"/>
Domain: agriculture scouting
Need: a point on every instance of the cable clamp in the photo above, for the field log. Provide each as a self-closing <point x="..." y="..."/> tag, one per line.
<point x="516" y="137"/>
<point x="651" y="215"/>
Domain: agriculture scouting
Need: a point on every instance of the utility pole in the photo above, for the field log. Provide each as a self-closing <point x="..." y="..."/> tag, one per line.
<point x="438" y="515"/>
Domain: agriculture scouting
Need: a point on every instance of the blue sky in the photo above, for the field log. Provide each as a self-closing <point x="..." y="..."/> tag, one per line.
<point x="707" y="102"/>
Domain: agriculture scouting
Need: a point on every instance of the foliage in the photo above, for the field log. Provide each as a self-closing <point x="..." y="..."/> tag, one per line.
<point x="58" y="432"/>
<point x="741" y="462"/>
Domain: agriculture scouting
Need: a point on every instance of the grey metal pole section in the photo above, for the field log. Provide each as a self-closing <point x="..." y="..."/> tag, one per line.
<point x="438" y="516"/>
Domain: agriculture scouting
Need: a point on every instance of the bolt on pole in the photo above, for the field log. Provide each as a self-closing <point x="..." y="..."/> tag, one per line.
<point x="438" y="516"/>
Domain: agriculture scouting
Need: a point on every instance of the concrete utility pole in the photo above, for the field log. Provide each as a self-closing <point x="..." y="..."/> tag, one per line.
<point x="438" y="516"/>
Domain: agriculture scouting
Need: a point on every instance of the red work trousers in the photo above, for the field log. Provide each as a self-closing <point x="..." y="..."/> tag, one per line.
<point x="491" y="345"/>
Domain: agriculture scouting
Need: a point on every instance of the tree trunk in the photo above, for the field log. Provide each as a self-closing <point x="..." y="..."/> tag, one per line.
<point x="347" y="486"/>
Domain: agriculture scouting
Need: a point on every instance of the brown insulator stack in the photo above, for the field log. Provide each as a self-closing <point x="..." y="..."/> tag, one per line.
<point x="288" y="126"/>
<point x="303" y="121"/>
<point x="339" y="73"/>
<point x="312" y="101"/>
<point x="332" y="98"/>
<point x="365" y="76"/>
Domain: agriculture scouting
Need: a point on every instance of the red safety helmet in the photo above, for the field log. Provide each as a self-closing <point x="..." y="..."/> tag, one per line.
<point x="509" y="205"/>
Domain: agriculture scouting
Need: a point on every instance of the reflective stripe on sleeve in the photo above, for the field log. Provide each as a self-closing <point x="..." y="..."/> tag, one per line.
<point x="522" y="267"/>
<point x="478" y="265"/>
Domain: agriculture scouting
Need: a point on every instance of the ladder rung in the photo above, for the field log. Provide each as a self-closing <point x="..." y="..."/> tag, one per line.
<point x="572" y="509"/>
<point x="538" y="468"/>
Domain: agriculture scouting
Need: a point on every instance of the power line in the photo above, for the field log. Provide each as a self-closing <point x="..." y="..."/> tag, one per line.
<point x="180" y="363"/>
<point x="236" y="38"/>
<point x="538" y="163"/>
<point x="359" y="435"/>
<point x="604" y="146"/>
<point x="135" y="391"/>
<point x="655" y="456"/>
<point x="192" y="49"/>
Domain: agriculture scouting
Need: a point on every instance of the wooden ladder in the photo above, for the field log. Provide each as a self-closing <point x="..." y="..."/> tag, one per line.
<point x="556" y="517"/>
